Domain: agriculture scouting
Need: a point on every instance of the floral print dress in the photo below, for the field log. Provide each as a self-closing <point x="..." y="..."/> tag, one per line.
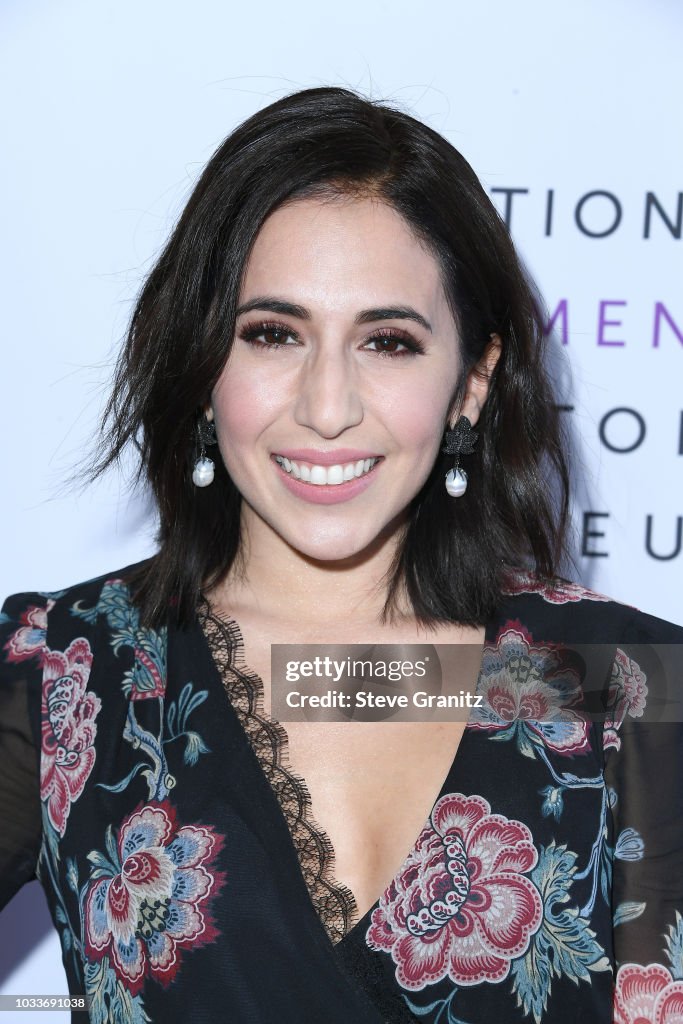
<point x="144" y="787"/>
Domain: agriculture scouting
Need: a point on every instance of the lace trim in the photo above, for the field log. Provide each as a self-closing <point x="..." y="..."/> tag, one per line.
<point x="334" y="903"/>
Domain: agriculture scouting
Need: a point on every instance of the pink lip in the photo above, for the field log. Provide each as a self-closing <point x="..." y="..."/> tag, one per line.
<point x="327" y="494"/>
<point x="337" y="457"/>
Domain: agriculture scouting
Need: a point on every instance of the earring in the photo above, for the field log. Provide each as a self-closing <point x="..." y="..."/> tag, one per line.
<point x="458" y="441"/>
<point x="203" y="471"/>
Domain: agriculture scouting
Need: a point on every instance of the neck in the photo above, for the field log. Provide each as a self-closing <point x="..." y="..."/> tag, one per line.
<point x="283" y="584"/>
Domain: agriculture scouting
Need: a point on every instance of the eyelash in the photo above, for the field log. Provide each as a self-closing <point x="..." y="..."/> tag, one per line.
<point x="251" y="331"/>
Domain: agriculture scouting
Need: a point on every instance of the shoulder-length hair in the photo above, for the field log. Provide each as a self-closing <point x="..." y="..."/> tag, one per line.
<point x="453" y="554"/>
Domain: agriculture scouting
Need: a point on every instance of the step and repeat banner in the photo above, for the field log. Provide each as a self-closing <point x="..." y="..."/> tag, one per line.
<point x="604" y="247"/>
<point x="570" y="117"/>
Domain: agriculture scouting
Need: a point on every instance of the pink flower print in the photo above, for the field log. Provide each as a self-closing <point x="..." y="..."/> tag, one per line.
<point x="627" y="696"/>
<point x="554" y="591"/>
<point x="29" y="639"/>
<point x="68" y="729"/>
<point x="461" y="907"/>
<point x="526" y="684"/>
<point x="647" y="995"/>
<point x="156" y="903"/>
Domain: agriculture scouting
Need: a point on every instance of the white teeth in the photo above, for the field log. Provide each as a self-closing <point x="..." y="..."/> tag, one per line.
<point x="325" y="475"/>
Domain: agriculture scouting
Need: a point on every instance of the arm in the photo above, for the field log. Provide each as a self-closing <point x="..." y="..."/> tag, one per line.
<point x="643" y="749"/>
<point x="22" y="639"/>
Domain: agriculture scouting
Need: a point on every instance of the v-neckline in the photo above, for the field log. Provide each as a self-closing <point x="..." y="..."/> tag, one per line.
<point x="231" y="635"/>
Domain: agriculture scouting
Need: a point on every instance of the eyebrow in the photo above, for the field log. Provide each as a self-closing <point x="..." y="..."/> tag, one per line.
<point x="365" y="316"/>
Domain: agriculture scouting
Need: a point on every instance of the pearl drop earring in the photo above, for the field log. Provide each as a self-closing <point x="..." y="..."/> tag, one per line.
<point x="203" y="471"/>
<point x="458" y="441"/>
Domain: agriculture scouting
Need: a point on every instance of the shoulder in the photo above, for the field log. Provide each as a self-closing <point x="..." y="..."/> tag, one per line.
<point x="90" y="586"/>
<point x="630" y="663"/>
<point x="561" y="610"/>
<point x="554" y="590"/>
<point x="26" y="617"/>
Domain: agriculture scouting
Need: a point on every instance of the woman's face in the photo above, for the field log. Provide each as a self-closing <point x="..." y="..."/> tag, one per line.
<point x="329" y="372"/>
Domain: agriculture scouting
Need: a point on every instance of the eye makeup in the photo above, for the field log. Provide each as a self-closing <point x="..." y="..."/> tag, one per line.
<point x="254" y="330"/>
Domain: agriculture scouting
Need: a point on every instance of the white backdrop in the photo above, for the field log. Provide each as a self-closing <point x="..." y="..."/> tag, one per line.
<point x="111" y="110"/>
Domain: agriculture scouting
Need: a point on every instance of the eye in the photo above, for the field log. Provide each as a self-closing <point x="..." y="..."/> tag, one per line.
<point x="392" y="337"/>
<point x="275" y="335"/>
<point x="252" y="333"/>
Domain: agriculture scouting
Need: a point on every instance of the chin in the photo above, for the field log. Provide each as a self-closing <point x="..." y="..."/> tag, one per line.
<point x="329" y="551"/>
<point x="341" y="547"/>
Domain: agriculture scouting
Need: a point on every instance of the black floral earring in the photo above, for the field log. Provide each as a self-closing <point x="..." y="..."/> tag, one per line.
<point x="458" y="441"/>
<point x="203" y="471"/>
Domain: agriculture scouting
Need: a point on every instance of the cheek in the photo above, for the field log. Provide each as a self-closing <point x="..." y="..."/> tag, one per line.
<point x="242" y="408"/>
<point x="420" y="422"/>
<point x="419" y="409"/>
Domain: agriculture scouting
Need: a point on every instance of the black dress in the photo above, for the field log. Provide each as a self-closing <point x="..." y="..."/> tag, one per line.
<point x="143" y="785"/>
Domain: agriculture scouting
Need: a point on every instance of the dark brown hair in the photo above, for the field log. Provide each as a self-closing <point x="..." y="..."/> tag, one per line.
<point x="325" y="142"/>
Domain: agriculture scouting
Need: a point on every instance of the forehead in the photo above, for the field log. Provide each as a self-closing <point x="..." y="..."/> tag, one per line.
<point x="340" y="252"/>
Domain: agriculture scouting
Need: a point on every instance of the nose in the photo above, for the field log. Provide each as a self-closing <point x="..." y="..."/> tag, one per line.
<point x="328" y="390"/>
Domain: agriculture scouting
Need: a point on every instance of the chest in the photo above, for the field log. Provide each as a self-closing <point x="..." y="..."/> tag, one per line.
<point x="371" y="784"/>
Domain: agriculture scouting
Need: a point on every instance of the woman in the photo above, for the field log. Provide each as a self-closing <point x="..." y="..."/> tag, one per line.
<point x="334" y="382"/>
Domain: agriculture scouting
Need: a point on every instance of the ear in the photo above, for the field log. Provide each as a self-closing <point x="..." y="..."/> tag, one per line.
<point x="478" y="380"/>
<point x="208" y="412"/>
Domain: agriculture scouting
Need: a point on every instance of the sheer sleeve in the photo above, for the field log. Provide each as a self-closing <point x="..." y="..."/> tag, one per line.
<point x="643" y="750"/>
<point x="22" y="640"/>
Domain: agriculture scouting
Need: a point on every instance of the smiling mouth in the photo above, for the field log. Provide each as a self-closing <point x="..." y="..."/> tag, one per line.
<point x="322" y="476"/>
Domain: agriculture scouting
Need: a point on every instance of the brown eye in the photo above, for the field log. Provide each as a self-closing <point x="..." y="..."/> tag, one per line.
<point x="274" y="335"/>
<point x="388" y="342"/>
